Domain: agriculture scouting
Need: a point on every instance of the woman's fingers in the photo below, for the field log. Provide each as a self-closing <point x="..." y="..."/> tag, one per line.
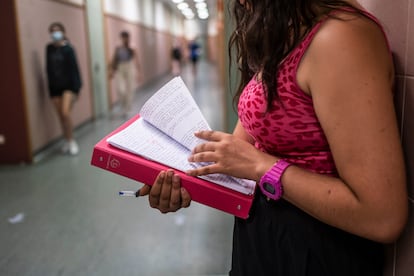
<point x="203" y="157"/>
<point x="210" y="135"/>
<point x="154" y="195"/>
<point x="175" y="199"/>
<point x="185" y="198"/>
<point x="209" y="146"/>
<point x="209" y="169"/>
<point x="166" y="194"/>
<point x="145" y="190"/>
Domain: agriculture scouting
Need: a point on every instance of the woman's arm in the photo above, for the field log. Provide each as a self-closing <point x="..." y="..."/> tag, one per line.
<point x="350" y="78"/>
<point x="348" y="72"/>
<point x="113" y="65"/>
<point x="48" y="65"/>
<point x="74" y="70"/>
<point x="137" y="63"/>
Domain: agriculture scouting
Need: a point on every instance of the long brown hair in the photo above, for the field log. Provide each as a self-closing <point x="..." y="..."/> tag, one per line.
<point x="266" y="31"/>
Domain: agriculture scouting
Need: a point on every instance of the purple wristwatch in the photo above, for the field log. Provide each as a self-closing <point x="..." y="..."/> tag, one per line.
<point x="270" y="183"/>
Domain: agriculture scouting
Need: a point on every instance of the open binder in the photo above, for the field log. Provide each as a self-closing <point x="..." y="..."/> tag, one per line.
<point x="113" y="159"/>
<point x="162" y="137"/>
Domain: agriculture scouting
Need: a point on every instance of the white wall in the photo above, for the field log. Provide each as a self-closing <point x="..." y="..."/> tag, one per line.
<point x="76" y="2"/>
<point x="150" y="13"/>
<point x="97" y="54"/>
<point x="192" y="29"/>
<point x="126" y="9"/>
<point x="162" y="17"/>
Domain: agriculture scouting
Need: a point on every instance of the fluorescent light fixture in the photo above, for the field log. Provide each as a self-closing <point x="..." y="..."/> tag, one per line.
<point x="187" y="11"/>
<point x="203" y="14"/>
<point x="202" y="11"/>
<point x="201" y="5"/>
<point x="182" y="6"/>
<point x="189" y="17"/>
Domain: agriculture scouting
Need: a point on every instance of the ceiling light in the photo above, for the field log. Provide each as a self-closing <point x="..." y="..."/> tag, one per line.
<point x="201" y="5"/>
<point x="203" y="14"/>
<point x="190" y="16"/>
<point x="187" y="11"/>
<point x="182" y="6"/>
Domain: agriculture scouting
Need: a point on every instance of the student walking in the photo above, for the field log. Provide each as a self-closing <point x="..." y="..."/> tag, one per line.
<point x="176" y="58"/>
<point x="125" y="68"/>
<point x="64" y="82"/>
<point x="195" y="49"/>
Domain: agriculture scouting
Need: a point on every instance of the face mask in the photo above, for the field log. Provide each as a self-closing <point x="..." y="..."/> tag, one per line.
<point x="57" y="35"/>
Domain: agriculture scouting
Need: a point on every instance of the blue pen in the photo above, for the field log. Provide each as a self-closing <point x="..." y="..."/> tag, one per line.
<point x="129" y="193"/>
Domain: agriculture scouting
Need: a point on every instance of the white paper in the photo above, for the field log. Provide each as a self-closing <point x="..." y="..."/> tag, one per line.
<point x="173" y="110"/>
<point x="18" y="218"/>
<point x="165" y="133"/>
<point x="145" y="140"/>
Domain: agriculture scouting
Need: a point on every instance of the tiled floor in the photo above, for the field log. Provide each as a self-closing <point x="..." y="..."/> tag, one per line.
<point x="73" y="223"/>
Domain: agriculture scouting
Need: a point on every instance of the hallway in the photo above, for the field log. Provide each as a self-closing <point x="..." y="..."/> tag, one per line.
<point x="72" y="221"/>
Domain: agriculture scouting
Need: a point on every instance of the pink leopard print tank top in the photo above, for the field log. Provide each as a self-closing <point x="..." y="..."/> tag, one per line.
<point x="291" y="130"/>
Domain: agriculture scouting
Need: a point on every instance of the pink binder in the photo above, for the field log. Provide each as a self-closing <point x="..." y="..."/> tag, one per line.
<point x="143" y="170"/>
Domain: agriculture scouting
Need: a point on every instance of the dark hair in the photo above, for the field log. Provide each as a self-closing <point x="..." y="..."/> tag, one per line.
<point x="57" y="24"/>
<point x="124" y="34"/>
<point x="267" y="31"/>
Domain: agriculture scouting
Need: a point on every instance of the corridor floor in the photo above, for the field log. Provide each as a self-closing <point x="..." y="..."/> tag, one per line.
<point x="61" y="216"/>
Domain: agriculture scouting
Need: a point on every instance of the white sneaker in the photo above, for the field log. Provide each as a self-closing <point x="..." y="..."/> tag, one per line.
<point x="73" y="148"/>
<point x="65" y="147"/>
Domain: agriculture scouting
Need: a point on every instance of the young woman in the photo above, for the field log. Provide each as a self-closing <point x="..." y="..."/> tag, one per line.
<point x="194" y="48"/>
<point x="64" y="81"/>
<point x="124" y="67"/>
<point x="176" y="58"/>
<point x="318" y="133"/>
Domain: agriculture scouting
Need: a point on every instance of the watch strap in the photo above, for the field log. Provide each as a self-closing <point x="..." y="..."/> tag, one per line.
<point x="270" y="184"/>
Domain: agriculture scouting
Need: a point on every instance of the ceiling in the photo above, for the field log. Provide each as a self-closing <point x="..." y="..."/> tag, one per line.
<point x="211" y="5"/>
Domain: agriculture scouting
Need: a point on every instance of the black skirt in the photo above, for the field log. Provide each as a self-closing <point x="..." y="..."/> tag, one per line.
<point x="280" y="239"/>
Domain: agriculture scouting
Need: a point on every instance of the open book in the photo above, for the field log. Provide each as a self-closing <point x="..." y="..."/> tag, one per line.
<point x="164" y="132"/>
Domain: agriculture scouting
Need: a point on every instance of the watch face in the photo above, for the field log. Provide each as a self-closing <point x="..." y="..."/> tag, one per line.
<point x="269" y="188"/>
<point x="270" y="184"/>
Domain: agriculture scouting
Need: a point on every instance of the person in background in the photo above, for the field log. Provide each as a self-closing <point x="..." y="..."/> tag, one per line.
<point x="64" y="81"/>
<point x="176" y="57"/>
<point x="125" y="67"/>
<point x="318" y="133"/>
<point x="194" y="48"/>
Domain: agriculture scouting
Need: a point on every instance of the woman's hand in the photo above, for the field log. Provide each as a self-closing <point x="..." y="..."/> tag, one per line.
<point x="229" y="155"/>
<point x="166" y="194"/>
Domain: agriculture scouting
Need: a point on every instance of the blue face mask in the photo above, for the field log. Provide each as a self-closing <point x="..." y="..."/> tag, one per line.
<point x="57" y="35"/>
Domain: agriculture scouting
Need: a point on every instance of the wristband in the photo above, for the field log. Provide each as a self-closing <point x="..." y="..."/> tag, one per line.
<point x="270" y="184"/>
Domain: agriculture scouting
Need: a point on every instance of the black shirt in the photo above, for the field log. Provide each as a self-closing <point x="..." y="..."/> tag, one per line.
<point x="62" y="68"/>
